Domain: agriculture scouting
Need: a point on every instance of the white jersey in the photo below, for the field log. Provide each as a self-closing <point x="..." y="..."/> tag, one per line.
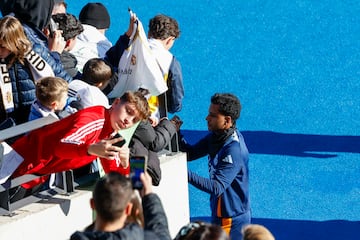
<point x="87" y="94"/>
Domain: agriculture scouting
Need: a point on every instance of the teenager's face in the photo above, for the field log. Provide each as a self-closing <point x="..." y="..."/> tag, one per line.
<point x="123" y="115"/>
<point x="4" y="52"/>
<point x="215" y="120"/>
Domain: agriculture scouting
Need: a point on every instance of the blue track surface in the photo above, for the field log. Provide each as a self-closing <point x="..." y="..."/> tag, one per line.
<point x="295" y="67"/>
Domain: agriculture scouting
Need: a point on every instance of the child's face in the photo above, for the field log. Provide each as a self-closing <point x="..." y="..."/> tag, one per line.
<point x="123" y="115"/>
<point x="4" y="52"/>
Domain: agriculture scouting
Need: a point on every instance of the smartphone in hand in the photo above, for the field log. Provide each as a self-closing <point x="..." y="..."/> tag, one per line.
<point x="138" y="165"/>
<point x="53" y="26"/>
<point x="120" y="143"/>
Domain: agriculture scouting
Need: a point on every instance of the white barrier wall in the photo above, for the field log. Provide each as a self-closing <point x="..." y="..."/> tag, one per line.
<point x="59" y="217"/>
<point x="173" y="191"/>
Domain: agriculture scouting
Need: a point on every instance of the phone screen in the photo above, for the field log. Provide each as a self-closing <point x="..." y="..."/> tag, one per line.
<point x="137" y="166"/>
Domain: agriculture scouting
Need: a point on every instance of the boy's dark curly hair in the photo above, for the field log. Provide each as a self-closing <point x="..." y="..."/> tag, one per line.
<point x="162" y="27"/>
<point x="69" y="24"/>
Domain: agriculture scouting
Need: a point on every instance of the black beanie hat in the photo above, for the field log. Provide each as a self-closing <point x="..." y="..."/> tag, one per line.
<point x="95" y="14"/>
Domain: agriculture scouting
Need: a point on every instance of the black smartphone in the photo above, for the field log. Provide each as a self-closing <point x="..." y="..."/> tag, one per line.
<point x="120" y="143"/>
<point x="138" y="165"/>
<point x="53" y="26"/>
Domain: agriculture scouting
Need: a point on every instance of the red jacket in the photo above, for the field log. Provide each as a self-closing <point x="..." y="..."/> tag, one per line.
<point x="63" y="145"/>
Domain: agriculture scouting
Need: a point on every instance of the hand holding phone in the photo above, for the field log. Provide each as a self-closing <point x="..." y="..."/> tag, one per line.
<point x="120" y="143"/>
<point x="53" y="26"/>
<point x="138" y="165"/>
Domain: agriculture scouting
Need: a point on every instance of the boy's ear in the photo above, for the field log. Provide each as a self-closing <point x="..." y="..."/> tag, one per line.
<point x="169" y="40"/>
<point x="228" y="121"/>
<point x="53" y="105"/>
<point x="128" y="209"/>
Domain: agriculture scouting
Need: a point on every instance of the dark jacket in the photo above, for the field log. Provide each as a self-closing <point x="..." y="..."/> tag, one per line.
<point x="113" y="56"/>
<point x="228" y="181"/>
<point x="147" y="141"/>
<point x="156" y="225"/>
<point x="114" y="53"/>
<point x="175" y="92"/>
<point x="69" y="63"/>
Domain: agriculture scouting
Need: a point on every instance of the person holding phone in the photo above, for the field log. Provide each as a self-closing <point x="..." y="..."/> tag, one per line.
<point x="78" y="139"/>
<point x="138" y="165"/>
<point x="112" y="203"/>
<point x="228" y="182"/>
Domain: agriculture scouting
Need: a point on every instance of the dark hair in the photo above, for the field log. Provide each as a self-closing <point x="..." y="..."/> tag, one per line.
<point x="229" y="105"/>
<point x="201" y="231"/>
<point x="97" y="70"/>
<point x="162" y="27"/>
<point x="111" y="195"/>
<point x="69" y="24"/>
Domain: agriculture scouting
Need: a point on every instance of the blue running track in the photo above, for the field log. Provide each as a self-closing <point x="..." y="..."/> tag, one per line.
<point x="295" y="67"/>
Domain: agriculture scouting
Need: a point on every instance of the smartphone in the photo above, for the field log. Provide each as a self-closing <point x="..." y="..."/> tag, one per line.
<point x="53" y="26"/>
<point x="120" y="143"/>
<point x="138" y="165"/>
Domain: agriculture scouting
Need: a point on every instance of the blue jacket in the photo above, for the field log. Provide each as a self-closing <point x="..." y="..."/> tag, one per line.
<point x="228" y="182"/>
<point x="23" y="90"/>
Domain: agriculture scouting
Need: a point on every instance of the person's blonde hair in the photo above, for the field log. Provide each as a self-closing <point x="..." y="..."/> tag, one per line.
<point x="256" y="232"/>
<point x="50" y="89"/>
<point x="13" y="38"/>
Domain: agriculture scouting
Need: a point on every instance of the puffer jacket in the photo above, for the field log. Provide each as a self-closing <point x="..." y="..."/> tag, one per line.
<point x="23" y="89"/>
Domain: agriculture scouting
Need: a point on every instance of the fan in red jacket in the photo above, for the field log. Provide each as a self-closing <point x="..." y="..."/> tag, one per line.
<point x="78" y="139"/>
